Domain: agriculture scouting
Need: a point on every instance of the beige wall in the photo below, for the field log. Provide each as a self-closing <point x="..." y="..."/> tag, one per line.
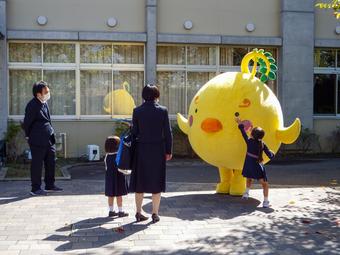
<point x="77" y="15"/>
<point x="81" y="133"/>
<point x="324" y="128"/>
<point x="220" y="16"/>
<point x="325" y="24"/>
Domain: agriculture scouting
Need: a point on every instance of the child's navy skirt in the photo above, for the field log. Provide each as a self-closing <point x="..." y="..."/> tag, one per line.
<point x="253" y="169"/>
<point x="115" y="182"/>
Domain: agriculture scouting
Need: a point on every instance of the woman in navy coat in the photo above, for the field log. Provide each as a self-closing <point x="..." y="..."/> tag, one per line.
<point x="153" y="147"/>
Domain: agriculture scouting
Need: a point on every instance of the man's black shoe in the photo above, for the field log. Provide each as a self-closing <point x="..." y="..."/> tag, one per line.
<point x="53" y="189"/>
<point x="38" y="192"/>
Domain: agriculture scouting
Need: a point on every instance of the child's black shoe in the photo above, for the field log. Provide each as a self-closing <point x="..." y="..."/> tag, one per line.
<point x="122" y="214"/>
<point x="112" y="214"/>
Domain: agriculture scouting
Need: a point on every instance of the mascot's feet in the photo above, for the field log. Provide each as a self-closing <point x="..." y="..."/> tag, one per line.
<point x="223" y="188"/>
<point x="238" y="184"/>
<point x="237" y="188"/>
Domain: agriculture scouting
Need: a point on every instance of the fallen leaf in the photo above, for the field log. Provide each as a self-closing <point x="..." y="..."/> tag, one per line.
<point x="291" y="202"/>
<point x="119" y="230"/>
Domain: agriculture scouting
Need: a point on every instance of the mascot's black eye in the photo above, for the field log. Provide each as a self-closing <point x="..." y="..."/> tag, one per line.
<point x="196" y="111"/>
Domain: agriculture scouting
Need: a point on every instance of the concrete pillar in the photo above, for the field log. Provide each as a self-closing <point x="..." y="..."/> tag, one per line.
<point x="151" y="41"/>
<point x="3" y="70"/>
<point x="297" y="61"/>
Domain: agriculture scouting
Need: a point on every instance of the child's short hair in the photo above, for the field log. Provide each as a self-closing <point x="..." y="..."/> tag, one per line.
<point x="112" y="144"/>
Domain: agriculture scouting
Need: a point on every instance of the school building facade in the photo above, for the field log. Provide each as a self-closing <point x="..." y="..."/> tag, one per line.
<point x="89" y="49"/>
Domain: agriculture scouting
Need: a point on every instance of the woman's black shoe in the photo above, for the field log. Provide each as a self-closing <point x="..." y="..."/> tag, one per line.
<point x="140" y="217"/>
<point x="155" y="218"/>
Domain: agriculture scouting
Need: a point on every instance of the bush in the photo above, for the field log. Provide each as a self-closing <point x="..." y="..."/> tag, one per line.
<point x="15" y="139"/>
<point x="334" y="139"/>
<point x="120" y="128"/>
<point x="181" y="144"/>
<point x="308" y="141"/>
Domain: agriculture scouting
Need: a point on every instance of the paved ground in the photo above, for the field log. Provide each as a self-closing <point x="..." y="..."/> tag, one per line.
<point x="306" y="172"/>
<point x="194" y="220"/>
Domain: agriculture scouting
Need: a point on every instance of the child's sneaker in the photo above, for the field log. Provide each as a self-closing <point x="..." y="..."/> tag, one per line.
<point x="266" y="204"/>
<point x="245" y="195"/>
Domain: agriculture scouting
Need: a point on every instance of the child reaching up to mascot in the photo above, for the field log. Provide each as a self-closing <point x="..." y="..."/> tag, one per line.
<point x="253" y="167"/>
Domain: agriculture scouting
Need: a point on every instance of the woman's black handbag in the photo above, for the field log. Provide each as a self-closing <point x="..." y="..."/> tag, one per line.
<point x="125" y="153"/>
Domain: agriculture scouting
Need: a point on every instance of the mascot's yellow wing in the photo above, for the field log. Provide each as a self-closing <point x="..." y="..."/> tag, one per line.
<point x="183" y="123"/>
<point x="290" y="134"/>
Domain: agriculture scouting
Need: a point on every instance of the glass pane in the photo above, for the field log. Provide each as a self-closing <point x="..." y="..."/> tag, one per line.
<point x="338" y="94"/>
<point x="25" y="52"/>
<point x="172" y="91"/>
<point x="94" y="86"/>
<point x="20" y="89"/>
<point x="195" y="81"/>
<point x="324" y="58"/>
<point x="338" y="64"/>
<point x="127" y="93"/>
<point x="324" y="93"/>
<point x="128" y="54"/>
<point x="59" y="53"/>
<point x="171" y="55"/>
<point x="63" y="91"/>
<point x="198" y="55"/>
<point x="272" y="85"/>
<point x="232" y="56"/>
<point x="96" y="53"/>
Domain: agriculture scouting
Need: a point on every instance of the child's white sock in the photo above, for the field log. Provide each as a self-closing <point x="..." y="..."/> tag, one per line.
<point x="120" y="209"/>
<point x="111" y="208"/>
<point x="247" y="190"/>
<point x="266" y="199"/>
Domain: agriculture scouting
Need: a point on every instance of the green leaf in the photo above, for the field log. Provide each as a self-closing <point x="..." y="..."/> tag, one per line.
<point x="272" y="75"/>
<point x="271" y="60"/>
<point x="267" y="54"/>
<point x="255" y="50"/>
<point x="264" y="78"/>
<point x="261" y="51"/>
<point x="273" y="67"/>
<point x="263" y="69"/>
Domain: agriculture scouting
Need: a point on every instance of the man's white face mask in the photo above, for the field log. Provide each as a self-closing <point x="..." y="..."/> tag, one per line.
<point x="46" y="97"/>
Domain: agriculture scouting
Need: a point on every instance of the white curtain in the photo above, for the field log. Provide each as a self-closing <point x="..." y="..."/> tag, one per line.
<point x="20" y="89"/>
<point x="59" y="53"/>
<point x="172" y="90"/>
<point x="63" y="91"/>
<point x="94" y="86"/>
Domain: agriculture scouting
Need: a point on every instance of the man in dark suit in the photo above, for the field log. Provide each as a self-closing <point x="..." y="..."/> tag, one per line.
<point x="41" y="139"/>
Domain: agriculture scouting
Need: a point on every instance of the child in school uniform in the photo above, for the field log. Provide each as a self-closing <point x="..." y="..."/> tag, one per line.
<point x="115" y="182"/>
<point x="253" y="167"/>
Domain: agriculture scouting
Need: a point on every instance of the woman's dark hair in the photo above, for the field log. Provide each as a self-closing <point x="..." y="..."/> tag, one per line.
<point x="150" y="92"/>
<point x="258" y="133"/>
<point x="38" y="87"/>
<point x="112" y="144"/>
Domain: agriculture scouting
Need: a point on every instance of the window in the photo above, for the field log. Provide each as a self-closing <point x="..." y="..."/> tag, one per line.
<point x="183" y="69"/>
<point x="326" y="82"/>
<point x="20" y="89"/>
<point x="109" y="81"/>
<point x="324" y="58"/>
<point x="324" y="93"/>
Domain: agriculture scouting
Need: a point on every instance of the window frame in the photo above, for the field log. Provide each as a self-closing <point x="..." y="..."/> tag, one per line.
<point x="218" y="69"/>
<point x="77" y="67"/>
<point x="328" y="70"/>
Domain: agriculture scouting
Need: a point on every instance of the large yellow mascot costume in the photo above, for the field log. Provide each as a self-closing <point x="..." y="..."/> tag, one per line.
<point x="211" y="127"/>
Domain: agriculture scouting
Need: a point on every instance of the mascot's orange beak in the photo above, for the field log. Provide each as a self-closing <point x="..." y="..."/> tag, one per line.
<point x="211" y="125"/>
